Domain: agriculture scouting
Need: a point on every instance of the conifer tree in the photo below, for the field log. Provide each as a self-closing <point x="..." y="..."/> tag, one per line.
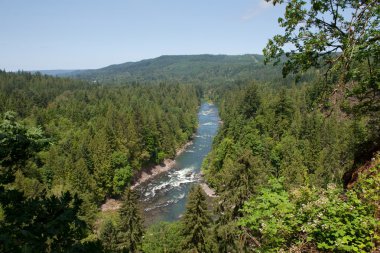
<point x="108" y="236"/>
<point x="130" y="227"/>
<point x="196" y="221"/>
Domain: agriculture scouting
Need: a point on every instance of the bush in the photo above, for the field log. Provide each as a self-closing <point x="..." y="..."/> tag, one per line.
<point x="122" y="178"/>
<point x="329" y="220"/>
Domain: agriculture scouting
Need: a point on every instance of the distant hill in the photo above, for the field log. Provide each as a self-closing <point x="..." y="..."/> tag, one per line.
<point x="200" y="69"/>
<point x="55" y="72"/>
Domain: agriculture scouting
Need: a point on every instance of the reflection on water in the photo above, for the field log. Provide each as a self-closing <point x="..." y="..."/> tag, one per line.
<point x="163" y="198"/>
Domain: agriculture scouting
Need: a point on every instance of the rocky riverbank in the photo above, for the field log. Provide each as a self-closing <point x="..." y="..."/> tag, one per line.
<point x="150" y="172"/>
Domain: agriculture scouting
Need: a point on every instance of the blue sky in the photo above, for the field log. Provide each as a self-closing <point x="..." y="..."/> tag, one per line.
<point x="81" y="34"/>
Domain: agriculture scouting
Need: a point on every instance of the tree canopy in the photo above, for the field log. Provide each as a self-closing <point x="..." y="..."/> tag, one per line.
<point x="327" y="33"/>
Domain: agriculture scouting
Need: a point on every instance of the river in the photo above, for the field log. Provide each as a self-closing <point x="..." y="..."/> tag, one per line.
<point x="163" y="197"/>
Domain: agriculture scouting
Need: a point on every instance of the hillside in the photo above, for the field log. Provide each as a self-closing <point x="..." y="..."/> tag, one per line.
<point x="198" y="69"/>
<point x="55" y="72"/>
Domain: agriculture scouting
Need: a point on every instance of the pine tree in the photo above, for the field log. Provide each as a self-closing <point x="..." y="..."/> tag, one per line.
<point x="130" y="227"/>
<point x="251" y="101"/>
<point x="240" y="179"/>
<point x="108" y="236"/>
<point x="196" y="221"/>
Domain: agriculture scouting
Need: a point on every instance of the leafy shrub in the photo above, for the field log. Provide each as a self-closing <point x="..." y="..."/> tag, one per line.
<point x="122" y="178"/>
<point x="329" y="220"/>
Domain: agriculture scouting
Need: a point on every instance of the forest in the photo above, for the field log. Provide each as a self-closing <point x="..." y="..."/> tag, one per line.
<point x="72" y="144"/>
<point x="295" y="164"/>
<point x="201" y="70"/>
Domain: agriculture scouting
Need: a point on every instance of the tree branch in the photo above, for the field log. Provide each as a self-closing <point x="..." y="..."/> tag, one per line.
<point x="331" y="26"/>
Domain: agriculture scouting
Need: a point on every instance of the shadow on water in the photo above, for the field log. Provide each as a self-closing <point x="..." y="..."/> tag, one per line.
<point x="163" y="198"/>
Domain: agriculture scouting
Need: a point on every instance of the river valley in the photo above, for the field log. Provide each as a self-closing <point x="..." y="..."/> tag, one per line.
<point x="163" y="198"/>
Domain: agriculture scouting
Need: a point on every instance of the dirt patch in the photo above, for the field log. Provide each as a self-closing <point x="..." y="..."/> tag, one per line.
<point x="111" y="205"/>
<point x="209" y="192"/>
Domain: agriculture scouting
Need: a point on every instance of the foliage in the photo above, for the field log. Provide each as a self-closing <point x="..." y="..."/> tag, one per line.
<point x="226" y="236"/>
<point x="272" y="164"/>
<point x="130" y="230"/>
<point x="328" y="220"/>
<point x="122" y="171"/>
<point x="18" y="144"/>
<point x="122" y="230"/>
<point x="196" y="221"/>
<point x="251" y="101"/>
<point x="98" y="136"/>
<point x="289" y="140"/>
<point x="163" y="237"/>
<point x="122" y="178"/>
<point x="242" y="176"/>
<point x="368" y="185"/>
<point x="271" y="215"/>
<point x="342" y="39"/>
<point x="41" y="223"/>
<point x="108" y="236"/>
<point x="284" y="138"/>
<point x="202" y="70"/>
<point x="89" y="142"/>
<point x="333" y="33"/>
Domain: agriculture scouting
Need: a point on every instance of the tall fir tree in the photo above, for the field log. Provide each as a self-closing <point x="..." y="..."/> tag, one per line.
<point x="108" y="236"/>
<point x="196" y="222"/>
<point x="131" y="225"/>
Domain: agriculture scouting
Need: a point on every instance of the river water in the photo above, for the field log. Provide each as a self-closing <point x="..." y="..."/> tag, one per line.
<point x="163" y="197"/>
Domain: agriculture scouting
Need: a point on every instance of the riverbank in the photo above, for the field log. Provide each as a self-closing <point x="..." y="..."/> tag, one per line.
<point x="209" y="191"/>
<point x="115" y="204"/>
<point x="150" y="172"/>
<point x="143" y="175"/>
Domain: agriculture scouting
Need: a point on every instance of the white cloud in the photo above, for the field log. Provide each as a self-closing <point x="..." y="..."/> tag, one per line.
<point x="257" y="9"/>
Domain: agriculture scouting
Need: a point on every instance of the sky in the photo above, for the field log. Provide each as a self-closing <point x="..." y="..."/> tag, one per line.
<point x="87" y="34"/>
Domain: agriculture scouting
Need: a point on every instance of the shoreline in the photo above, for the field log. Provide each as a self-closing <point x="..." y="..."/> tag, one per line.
<point x="144" y="175"/>
<point x="150" y="172"/>
<point x="210" y="192"/>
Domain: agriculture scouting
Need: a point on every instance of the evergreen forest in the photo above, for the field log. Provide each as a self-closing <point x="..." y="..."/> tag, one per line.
<point x="295" y="164"/>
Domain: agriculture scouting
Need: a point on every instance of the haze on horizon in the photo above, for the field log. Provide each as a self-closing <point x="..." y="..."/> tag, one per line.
<point x="41" y="35"/>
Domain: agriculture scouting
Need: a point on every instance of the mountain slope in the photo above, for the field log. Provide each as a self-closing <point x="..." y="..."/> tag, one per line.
<point x="184" y="68"/>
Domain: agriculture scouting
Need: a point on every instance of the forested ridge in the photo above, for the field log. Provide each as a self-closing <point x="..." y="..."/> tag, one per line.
<point x="295" y="165"/>
<point x="195" y="69"/>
